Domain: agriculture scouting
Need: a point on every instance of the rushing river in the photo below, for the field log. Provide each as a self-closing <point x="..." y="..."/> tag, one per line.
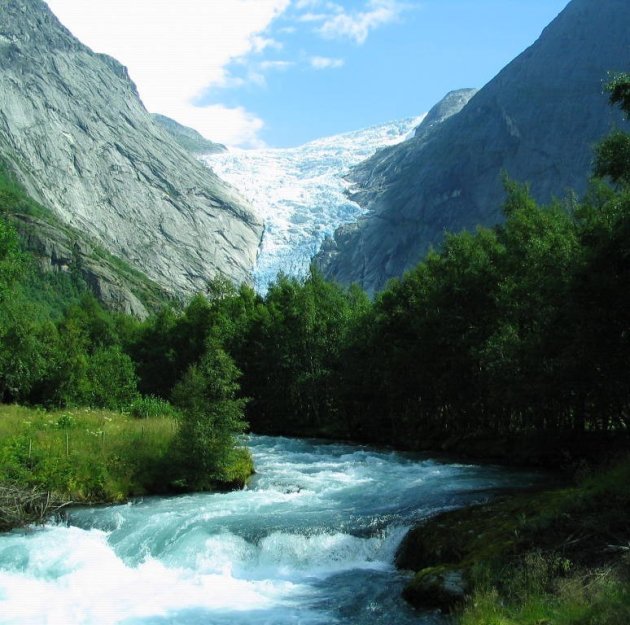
<point x="311" y="541"/>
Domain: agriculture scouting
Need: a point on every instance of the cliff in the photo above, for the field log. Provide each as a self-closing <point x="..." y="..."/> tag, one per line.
<point x="77" y="137"/>
<point x="537" y="120"/>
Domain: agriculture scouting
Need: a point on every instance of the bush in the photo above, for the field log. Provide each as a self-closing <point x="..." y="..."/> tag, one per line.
<point x="205" y="451"/>
<point x="112" y="379"/>
<point x="151" y="406"/>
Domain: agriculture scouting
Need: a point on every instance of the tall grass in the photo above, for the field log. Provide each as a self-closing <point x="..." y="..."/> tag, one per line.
<point x="87" y="455"/>
<point x="573" y="568"/>
<point x="596" y="598"/>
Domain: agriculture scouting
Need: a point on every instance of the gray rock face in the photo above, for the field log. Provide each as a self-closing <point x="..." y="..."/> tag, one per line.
<point x="188" y="138"/>
<point x="537" y="120"/>
<point x="56" y="249"/>
<point x="82" y="143"/>
<point x="452" y="103"/>
<point x="377" y="171"/>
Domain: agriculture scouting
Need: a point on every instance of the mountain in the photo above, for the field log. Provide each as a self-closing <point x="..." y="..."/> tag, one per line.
<point x="452" y="103"/>
<point x="188" y="138"/>
<point x="75" y="134"/>
<point x="537" y="120"/>
<point x="56" y="249"/>
<point x="300" y="192"/>
<point x="370" y="174"/>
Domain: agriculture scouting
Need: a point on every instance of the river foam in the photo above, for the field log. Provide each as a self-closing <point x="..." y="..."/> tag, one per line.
<point x="311" y="541"/>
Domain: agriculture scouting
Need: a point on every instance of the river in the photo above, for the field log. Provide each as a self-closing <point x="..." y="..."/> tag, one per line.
<point x="311" y="541"/>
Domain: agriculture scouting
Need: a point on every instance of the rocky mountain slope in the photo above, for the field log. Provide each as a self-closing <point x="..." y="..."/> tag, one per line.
<point x="537" y="120"/>
<point x="188" y="138"/>
<point x="368" y="176"/>
<point x="452" y="103"/>
<point x="55" y="247"/>
<point x="77" y="137"/>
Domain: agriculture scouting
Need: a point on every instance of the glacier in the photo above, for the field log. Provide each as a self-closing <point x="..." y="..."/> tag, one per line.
<point x="301" y="192"/>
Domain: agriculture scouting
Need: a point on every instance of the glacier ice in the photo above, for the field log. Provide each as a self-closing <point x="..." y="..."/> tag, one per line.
<point x="300" y="192"/>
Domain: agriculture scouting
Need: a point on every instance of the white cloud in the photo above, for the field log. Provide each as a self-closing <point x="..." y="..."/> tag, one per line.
<point x="177" y="50"/>
<point x="357" y="25"/>
<point x="306" y="4"/>
<point x="276" y="65"/>
<point x="313" y="17"/>
<point x="233" y="126"/>
<point x="324" y="62"/>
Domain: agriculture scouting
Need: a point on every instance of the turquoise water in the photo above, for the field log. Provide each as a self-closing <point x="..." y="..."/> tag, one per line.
<point x="311" y="541"/>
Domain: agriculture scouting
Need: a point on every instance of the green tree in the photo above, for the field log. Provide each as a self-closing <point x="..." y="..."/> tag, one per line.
<point x="23" y="353"/>
<point x="612" y="155"/>
<point x="292" y="357"/>
<point x="213" y="416"/>
<point x="27" y="350"/>
<point x="12" y="261"/>
<point x="536" y="273"/>
<point x="111" y="379"/>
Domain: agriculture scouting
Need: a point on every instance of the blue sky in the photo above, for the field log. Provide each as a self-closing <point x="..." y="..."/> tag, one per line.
<point x="400" y="70"/>
<point x="282" y="72"/>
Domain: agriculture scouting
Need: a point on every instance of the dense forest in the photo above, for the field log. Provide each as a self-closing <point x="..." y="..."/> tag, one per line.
<point x="518" y="328"/>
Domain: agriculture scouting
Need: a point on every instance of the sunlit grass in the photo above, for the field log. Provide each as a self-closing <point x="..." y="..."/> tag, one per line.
<point x="540" y="587"/>
<point x="89" y="455"/>
<point x="598" y="599"/>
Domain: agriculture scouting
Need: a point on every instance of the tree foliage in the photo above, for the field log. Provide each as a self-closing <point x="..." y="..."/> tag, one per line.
<point x="212" y="416"/>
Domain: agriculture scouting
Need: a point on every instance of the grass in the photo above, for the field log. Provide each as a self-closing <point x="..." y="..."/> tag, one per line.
<point x="598" y="598"/>
<point x="557" y="557"/>
<point x="85" y="455"/>
<point x="50" y="458"/>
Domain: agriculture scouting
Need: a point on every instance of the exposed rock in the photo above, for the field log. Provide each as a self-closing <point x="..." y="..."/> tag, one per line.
<point x="452" y="103"/>
<point x="373" y="173"/>
<point x="58" y="248"/>
<point x="81" y="142"/>
<point x="439" y="588"/>
<point x="537" y="120"/>
<point x="188" y="138"/>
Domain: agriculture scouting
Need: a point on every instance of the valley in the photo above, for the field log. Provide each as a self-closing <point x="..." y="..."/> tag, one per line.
<point x="380" y="377"/>
<point x="302" y="194"/>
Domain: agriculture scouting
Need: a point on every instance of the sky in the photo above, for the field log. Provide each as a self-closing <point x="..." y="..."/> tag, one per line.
<point x="279" y="73"/>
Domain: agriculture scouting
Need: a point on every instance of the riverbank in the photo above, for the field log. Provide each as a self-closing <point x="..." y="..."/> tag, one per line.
<point x="565" y="452"/>
<point x="562" y="452"/>
<point x="83" y="456"/>
<point x="559" y="556"/>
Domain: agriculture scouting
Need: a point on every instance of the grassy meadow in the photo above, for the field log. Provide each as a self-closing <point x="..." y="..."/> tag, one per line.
<point x="86" y="455"/>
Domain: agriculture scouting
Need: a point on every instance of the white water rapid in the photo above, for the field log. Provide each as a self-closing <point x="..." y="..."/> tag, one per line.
<point x="310" y="542"/>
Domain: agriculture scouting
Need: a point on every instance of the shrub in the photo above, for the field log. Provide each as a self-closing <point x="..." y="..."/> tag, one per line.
<point x="151" y="406"/>
<point x="205" y="451"/>
<point x="112" y="379"/>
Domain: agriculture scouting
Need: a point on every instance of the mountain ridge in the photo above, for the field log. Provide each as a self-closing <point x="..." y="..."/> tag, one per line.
<point x="537" y="120"/>
<point x="188" y="138"/>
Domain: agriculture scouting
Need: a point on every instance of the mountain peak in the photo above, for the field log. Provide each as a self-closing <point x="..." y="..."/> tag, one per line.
<point x="537" y="120"/>
<point x="453" y="102"/>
